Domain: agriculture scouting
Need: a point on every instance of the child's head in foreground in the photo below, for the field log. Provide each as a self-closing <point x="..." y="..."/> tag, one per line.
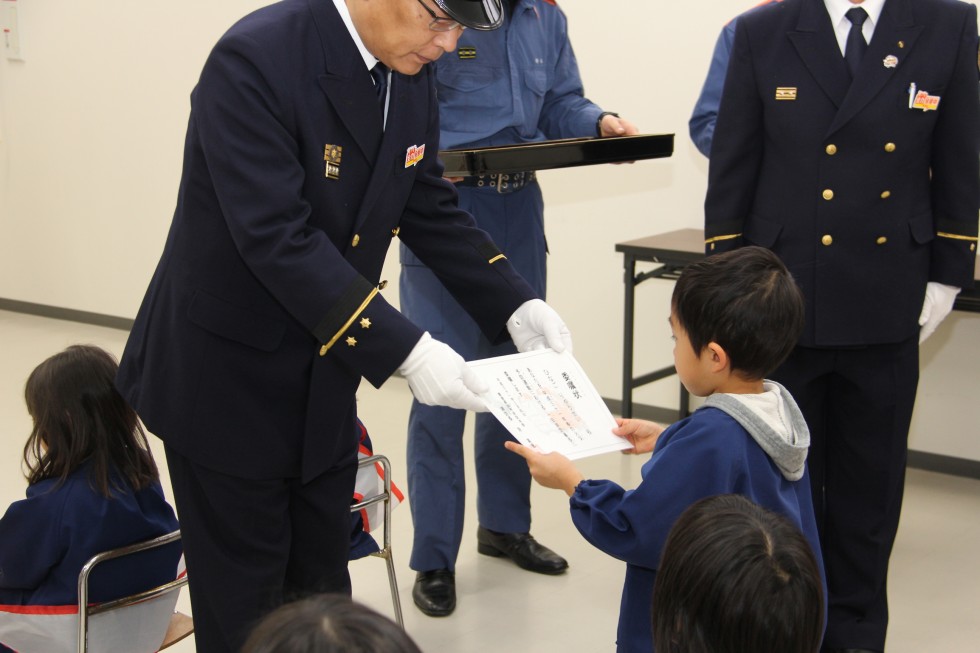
<point x="79" y="417"/>
<point x="744" y="302"/>
<point x="736" y="577"/>
<point x="328" y="623"/>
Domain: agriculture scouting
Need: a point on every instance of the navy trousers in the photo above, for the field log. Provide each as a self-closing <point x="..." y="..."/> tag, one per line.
<point x="251" y="545"/>
<point x="858" y="404"/>
<point x="436" y="481"/>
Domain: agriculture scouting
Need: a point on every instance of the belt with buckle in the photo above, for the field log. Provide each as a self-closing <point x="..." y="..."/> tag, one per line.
<point x="502" y="183"/>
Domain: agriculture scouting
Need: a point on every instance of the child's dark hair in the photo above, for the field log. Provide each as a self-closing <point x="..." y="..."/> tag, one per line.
<point x="747" y="302"/>
<point x="79" y="416"/>
<point x="736" y="577"/>
<point x="328" y="623"/>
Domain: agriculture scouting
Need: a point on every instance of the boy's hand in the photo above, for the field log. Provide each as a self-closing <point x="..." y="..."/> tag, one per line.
<point x="641" y="433"/>
<point x="549" y="469"/>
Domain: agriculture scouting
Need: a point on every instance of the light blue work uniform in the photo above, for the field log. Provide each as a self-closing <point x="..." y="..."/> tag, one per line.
<point x="517" y="84"/>
<point x="701" y="126"/>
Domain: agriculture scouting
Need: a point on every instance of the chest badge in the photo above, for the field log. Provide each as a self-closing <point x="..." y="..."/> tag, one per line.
<point x="890" y="61"/>
<point x="785" y="92"/>
<point x="331" y="156"/>
<point x="466" y="52"/>
<point x="414" y="154"/>
<point x="919" y="99"/>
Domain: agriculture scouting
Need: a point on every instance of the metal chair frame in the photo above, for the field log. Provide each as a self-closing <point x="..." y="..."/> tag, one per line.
<point x="85" y="611"/>
<point x="385" y="551"/>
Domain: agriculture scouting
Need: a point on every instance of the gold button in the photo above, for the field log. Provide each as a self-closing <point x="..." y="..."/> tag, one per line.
<point x="357" y="239"/>
<point x="712" y="247"/>
<point x="973" y="247"/>
<point x="827" y="239"/>
<point x="828" y="194"/>
<point x="394" y="232"/>
<point x="889" y="147"/>
<point x="323" y="350"/>
<point x="886" y="194"/>
<point x="831" y="149"/>
<point x="381" y="286"/>
<point x="881" y="240"/>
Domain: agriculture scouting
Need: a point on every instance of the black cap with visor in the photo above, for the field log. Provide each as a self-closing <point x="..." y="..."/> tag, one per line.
<point x="475" y="14"/>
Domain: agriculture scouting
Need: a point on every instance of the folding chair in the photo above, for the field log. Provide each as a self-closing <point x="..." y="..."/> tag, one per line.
<point x="384" y="497"/>
<point x="145" y="621"/>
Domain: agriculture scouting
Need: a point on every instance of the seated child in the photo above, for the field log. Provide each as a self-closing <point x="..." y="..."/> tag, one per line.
<point x="734" y="317"/>
<point x="92" y="486"/>
<point x="736" y="577"/>
<point x="328" y="623"/>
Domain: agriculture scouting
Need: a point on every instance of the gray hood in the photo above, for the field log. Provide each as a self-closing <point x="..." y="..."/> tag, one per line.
<point x="774" y="421"/>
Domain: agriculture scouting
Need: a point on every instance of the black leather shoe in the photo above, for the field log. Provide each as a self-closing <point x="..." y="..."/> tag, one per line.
<point x="522" y="548"/>
<point x="435" y="592"/>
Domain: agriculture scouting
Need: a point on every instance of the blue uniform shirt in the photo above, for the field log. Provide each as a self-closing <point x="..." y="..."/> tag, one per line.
<point x="702" y="123"/>
<point x="701" y="126"/>
<point x="522" y="81"/>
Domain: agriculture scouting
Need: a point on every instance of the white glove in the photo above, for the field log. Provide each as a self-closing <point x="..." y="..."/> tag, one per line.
<point x="535" y="325"/>
<point x="935" y="307"/>
<point x="438" y="376"/>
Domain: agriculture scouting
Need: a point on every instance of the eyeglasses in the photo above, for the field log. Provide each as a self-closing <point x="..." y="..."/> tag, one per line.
<point x="440" y="23"/>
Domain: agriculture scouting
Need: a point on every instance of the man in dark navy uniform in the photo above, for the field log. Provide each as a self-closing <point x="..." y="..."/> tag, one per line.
<point x="311" y="144"/>
<point x="848" y="142"/>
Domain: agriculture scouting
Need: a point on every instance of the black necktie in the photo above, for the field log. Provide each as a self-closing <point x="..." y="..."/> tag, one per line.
<point x="856" y="45"/>
<point x="380" y="75"/>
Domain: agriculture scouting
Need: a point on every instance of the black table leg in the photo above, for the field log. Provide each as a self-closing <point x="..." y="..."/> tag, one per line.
<point x="629" y="264"/>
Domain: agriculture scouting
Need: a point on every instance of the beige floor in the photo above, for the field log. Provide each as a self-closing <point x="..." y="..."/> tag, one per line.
<point x="934" y="581"/>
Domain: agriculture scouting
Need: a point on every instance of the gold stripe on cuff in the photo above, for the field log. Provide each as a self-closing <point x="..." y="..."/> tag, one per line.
<point x="718" y="238"/>
<point x="496" y="258"/>
<point x="943" y="234"/>
<point x="360" y="309"/>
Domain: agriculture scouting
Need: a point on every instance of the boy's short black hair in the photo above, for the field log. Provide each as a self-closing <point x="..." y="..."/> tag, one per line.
<point x="747" y="302"/>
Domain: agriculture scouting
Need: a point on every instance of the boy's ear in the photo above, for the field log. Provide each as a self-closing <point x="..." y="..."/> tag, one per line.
<point x="718" y="357"/>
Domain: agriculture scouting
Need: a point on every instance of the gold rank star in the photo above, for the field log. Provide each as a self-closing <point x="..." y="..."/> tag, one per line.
<point x="351" y="341"/>
<point x="365" y="323"/>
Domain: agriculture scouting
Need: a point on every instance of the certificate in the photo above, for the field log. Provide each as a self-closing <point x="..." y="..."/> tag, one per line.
<point x="548" y="403"/>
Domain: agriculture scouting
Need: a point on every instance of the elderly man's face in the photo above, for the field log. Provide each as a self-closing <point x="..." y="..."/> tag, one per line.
<point x="397" y="32"/>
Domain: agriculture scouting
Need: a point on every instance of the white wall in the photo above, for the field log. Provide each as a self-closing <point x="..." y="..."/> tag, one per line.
<point x="92" y="125"/>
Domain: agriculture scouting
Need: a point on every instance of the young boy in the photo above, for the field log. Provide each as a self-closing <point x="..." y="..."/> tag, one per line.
<point x="734" y="317"/>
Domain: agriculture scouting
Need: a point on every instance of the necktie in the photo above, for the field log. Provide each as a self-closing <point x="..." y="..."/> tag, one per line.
<point x="380" y="75"/>
<point x="856" y="45"/>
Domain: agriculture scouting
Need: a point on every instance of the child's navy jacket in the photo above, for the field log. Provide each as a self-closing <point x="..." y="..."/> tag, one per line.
<point x="47" y="537"/>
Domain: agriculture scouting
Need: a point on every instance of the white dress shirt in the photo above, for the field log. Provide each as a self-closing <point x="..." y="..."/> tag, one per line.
<point x="369" y="59"/>
<point x="842" y="26"/>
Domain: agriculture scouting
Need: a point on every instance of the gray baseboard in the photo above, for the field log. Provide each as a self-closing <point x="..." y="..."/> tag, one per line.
<point x="934" y="462"/>
<point x="931" y="462"/>
<point x="68" y="314"/>
<point x="643" y="411"/>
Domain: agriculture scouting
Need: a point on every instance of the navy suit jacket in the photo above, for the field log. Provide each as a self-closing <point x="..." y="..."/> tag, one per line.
<point x="864" y="198"/>
<point x="264" y="311"/>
